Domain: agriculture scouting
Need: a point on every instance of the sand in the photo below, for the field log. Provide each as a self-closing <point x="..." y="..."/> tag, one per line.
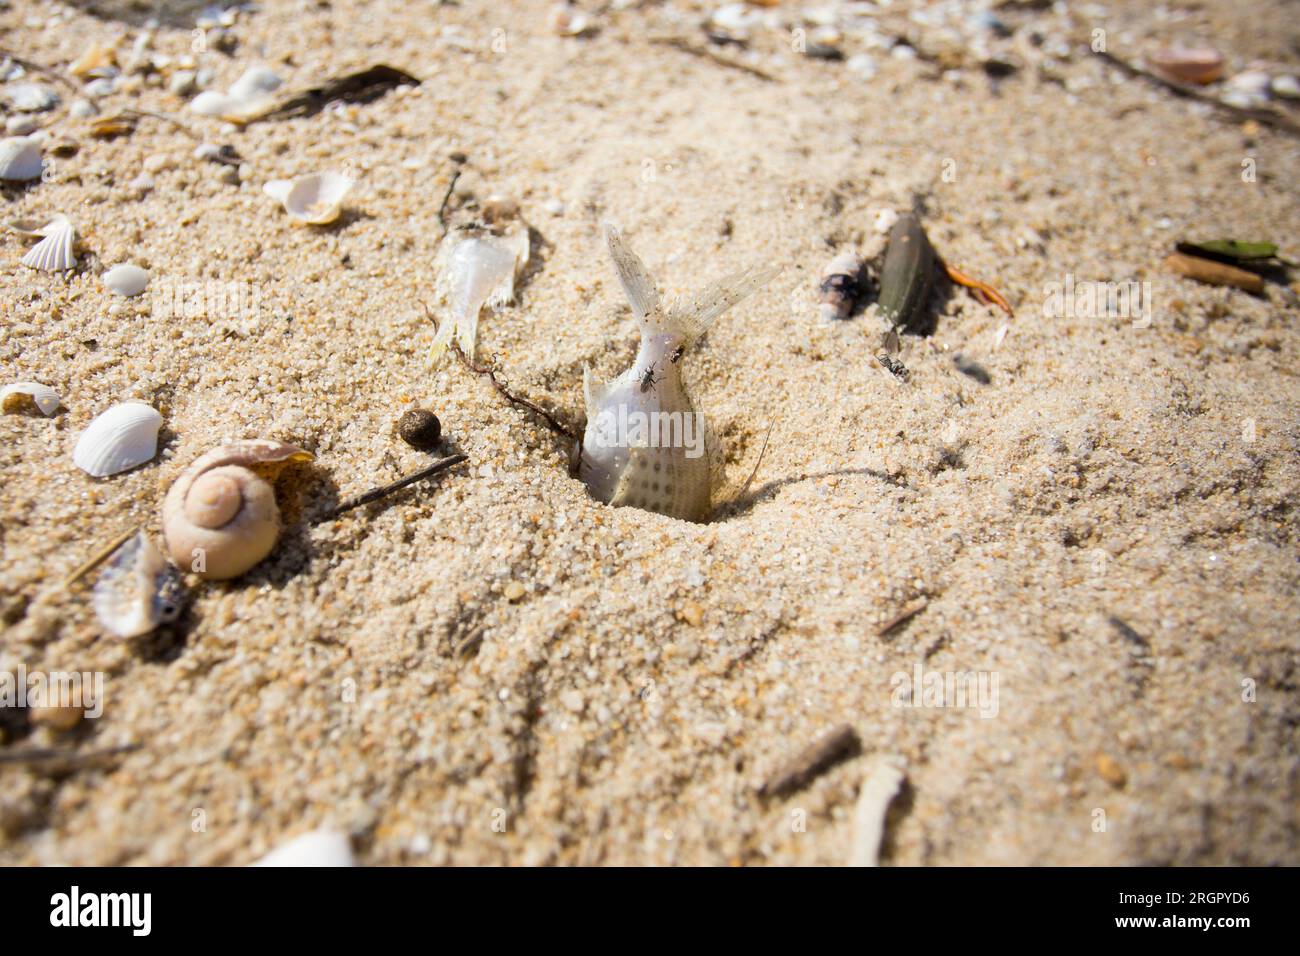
<point x="1106" y="528"/>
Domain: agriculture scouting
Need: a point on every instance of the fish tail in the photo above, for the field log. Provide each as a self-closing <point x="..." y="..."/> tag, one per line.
<point x="692" y="317"/>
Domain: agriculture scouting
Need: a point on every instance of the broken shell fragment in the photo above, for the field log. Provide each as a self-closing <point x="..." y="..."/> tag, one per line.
<point x="126" y="279"/>
<point x="1199" y="66"/>
<point x="20" y="159"/>
<point x="15" y="396"/>
<point x="137" y="590"/>
<point x="220" y="517"/>
<point x="32" y="98"/>
<point x="54" y="253"/>
<point x="317" y="848"/>
<point x="316" y="198"/>
<point x="120" y="438"/>
<point x="842" y="285"/>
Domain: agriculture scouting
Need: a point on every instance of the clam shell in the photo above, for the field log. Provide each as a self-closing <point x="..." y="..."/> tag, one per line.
<point x="317" y="848"/>
<point x="137" y="590"/>
<point x="126" y="279"/>
<point x="255" y="83"/>
<point x="212" y="103"/>
<point x="1200" y="66"/>
<point x="54" y="253"/>
<point x="20" y="159"/>
<point x="316" y="198"/>
<point x="42" y="396"/>
<point x="122" y="437"/>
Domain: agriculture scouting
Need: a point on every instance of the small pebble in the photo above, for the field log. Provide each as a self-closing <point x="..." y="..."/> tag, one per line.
<point x="513" y="591"/>
<point x="420" y="429"/>
<point x="81" y="109"/>
<point x="183" y="83"/>
<point x="1111" y="771"/>
<point x="21" y="125"/>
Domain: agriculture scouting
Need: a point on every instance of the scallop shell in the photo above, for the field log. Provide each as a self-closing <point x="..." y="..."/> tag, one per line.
<point x="20" y="159"/>
<point x="138" y="590"/>
<point x="55" y="252"/>
<point x="122" y="437"/>
<point x="42" y="396"/>
<point x="315" y="198"/>
<point x="126" y="279"/>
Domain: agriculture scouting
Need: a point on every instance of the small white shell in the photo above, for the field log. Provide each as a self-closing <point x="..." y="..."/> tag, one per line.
<point x="317" y="848"/>
<point x="54" y="253"/>
<point x="212" y="103"/>
<point x="138" y="590"/>
<point x="44" y="397"/>
<point x="126" y="279"/>
<point x="122" y="437"/>
<point x="20" y="159"/>
<point x="32" y="98"/>
<point x="256" y="82"/>
<point x="315" y="198"/>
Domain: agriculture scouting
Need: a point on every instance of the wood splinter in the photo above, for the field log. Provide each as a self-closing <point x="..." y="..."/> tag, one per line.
<point x="374" y="494"/>
<point x="823" y="753"/>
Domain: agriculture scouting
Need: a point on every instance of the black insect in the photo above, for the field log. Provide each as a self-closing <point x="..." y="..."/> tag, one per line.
<point x="648" y="380"/>
<point x="677" y="353"/>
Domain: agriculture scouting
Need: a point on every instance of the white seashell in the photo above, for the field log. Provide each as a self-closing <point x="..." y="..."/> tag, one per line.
<point x="138" y="590"/>
<point x="122" y="437"/>
<point x="104" y="86"/>
<point x="82" y="109"/>
<point x="316" y="198"/>
<point x="32" y="98"/>
<point x="20" y="159"/>
<point x="212" y="103"/>
<point x="126" y="279"/>
<point x="256" y="82"/>
<point x="317" y="848"/>
<point x="44" y="397"/>
<point x="1286" y="86"/>
<point x="21" y="125"/>
<point x="54" y="253"/>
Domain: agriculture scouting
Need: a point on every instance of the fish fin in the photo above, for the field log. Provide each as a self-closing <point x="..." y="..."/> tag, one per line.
<point x="692" y="317"/>
<point x="442" y="339"/>
<point x="637" y="284"/>
<point x="591" y="391"/>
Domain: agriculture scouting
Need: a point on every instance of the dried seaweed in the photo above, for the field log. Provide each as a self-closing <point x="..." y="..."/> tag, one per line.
<point x="365" y="86"/>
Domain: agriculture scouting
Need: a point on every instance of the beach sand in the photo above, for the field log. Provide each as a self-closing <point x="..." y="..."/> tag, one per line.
<point x="493" y="668"/>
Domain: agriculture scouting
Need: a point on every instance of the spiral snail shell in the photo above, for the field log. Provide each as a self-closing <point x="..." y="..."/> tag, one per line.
<point x="220" y="517"/>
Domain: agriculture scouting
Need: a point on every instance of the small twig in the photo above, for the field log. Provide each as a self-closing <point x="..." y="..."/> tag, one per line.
<point x="986" y="293"/>
<point x="754" y="474"/>
<point x="374" y="494"/>
<point x="503" y="387"/>
<point x="166" y="119"/>
<point x="98" y="558"/>
<point x="686" y="46"/>
<point x="446" y="197"/>
<point x="1265" y="116"/>
<point x="908" y="612"/>
<point x="823" y="753"/>
<point x="42" y="755"/>
<point x="43" y="70"/>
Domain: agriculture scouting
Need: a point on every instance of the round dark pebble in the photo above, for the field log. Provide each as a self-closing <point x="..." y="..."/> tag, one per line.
<point x="420" y="429"/>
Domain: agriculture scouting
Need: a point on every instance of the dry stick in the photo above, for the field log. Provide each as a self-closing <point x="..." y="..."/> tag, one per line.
<point x="908" y="612"/>
<point x="374" y="494"/>
<point x="446" y="197"/>
<point x="43" y="70"/>
<point x="686" y="46"/>
<point x="96" y="559"/>
<point x="166" y="119"/>
<point x="1267" y="117"/>
<point x="503" y="387"/>
<point x="36" y="756"/>
<point x="754" y="474"/>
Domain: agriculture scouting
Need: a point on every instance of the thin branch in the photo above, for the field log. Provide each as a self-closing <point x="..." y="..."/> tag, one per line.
<point x="686" y="46"/>
<point x="1265" y="116"/>
<point x="374" y="494"/>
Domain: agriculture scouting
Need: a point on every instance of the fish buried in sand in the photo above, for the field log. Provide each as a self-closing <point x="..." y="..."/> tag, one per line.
<point x="645" y="444"/>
